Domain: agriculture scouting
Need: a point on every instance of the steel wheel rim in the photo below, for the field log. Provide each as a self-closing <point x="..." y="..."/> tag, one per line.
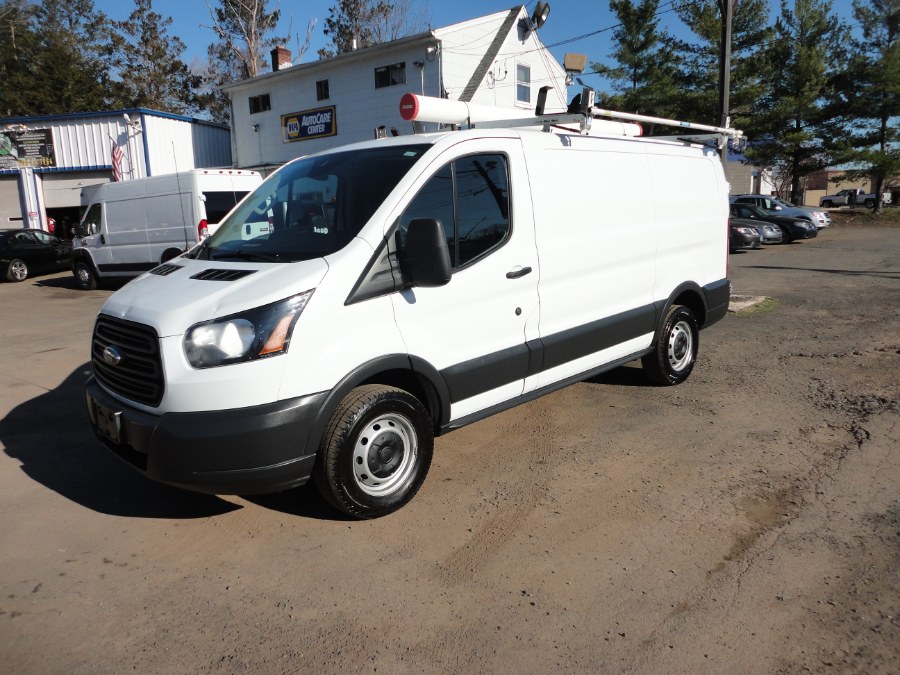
<point x="384" y="454"/>
<point x="18" y="270"/>
<point x="84" y="274"/>
<point x="680" y="347"/>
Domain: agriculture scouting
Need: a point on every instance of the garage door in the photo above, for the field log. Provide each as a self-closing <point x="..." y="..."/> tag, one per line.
<point x="64" y="189"/>
<point x="9" y="201"/>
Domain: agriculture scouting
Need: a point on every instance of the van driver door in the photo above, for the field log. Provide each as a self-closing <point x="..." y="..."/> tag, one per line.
<point x="474" y="329"/>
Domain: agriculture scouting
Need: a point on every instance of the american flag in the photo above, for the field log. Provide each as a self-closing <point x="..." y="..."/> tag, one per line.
<point x="117" y="157"/>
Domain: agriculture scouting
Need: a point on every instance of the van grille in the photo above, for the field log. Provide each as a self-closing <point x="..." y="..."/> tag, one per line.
<point x="138" y="375"/>
<point x="221" y="275"/>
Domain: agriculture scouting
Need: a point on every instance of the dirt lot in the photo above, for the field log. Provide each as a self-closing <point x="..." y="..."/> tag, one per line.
<point x="745" y="521"/>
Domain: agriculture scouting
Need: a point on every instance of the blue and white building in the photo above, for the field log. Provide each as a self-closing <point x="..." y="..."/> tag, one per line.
<point x="45" y="161"/>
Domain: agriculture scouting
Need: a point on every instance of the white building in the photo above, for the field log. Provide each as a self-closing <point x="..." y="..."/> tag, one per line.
<point x="45" y="161"/>
<point x="296" y="110"/>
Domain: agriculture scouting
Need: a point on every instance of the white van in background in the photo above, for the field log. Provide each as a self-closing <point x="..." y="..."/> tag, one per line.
<point x="132" y="226"/>
<point x="367" y="298"/>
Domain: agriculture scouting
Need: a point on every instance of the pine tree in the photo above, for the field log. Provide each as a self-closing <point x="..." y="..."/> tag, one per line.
<point x="50" y="59"/>
<point x="698" y="78"/>
<point x="644" y="74"/>
<point x="869" y="96"/>
<point x="147" y="64"/>
<point x="804" y="57"/>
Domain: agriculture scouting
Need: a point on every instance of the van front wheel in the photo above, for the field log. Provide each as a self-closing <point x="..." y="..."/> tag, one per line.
<point x="375" y="452"/>
<point x="675" y="353"/>
<point x="85" y="278"/>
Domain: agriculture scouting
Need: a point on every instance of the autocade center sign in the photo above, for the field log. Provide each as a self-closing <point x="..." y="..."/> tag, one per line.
<point x="302" y="126"/>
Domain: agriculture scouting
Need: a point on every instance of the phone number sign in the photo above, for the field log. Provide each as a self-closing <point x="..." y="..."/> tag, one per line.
<point x="32" y="148"/>
<point x="302" y="126"/>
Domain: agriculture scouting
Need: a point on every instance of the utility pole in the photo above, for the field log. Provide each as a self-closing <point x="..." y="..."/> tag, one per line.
<point x="726" y="9"/>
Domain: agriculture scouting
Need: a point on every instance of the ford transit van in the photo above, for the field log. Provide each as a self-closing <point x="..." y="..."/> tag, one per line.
<point x="403" y="288"/>
<point x="131" y="226"/>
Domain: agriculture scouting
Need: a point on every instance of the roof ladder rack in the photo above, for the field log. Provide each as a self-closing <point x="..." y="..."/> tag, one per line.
<point x="584" y="118"/>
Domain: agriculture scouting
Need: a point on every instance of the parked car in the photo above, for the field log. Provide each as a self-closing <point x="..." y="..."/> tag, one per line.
<point x="782" y="208"/>
<point x="791" y="228"/>
<point x="853" y="197"/>
<point x="25" y="251"/>
<point x="742" y="235"/>
<point x="769" y="233"/>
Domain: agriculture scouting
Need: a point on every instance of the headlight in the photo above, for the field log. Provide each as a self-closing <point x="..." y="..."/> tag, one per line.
<point x="254" y="334"/>
<point x="747" y="230"/>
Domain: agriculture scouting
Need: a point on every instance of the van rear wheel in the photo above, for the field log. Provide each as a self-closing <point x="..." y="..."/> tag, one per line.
<point x="85" y="277"/>
<point x="675" y="353"/>
<point x="375" y="452"/>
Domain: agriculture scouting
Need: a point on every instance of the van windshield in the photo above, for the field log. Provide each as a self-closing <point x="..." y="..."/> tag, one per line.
<point x="312" y="207"/>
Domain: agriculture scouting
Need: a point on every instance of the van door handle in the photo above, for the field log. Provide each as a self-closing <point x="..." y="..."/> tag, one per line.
<point x="518" y="273"/>
<point x="103" y="240"/>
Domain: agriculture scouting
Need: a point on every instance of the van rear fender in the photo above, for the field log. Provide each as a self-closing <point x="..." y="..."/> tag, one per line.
<point x="688" y="294"/>
<point x="410" y="373"/>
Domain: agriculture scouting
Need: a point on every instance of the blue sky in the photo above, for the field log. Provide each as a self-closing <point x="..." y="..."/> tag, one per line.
<point x="568" y="19"/>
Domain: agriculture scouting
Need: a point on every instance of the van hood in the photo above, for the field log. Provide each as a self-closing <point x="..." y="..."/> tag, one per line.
<point x="182" y="292"/>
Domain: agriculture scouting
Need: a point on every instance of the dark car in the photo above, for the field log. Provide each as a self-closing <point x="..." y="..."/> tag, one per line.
<point x="769" y="233"/>
<point x="24" y="252"/>
<point x="742" y="237"/>
<point x="791" y="228"/>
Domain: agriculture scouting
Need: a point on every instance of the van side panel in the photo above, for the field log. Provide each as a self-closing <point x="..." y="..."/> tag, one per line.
<point x="597" y="240"/>
<point x="692" y="212"/>
<point x="126" y="232"/>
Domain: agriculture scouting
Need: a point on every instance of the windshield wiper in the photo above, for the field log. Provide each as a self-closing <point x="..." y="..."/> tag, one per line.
<point x="244" y="255"/>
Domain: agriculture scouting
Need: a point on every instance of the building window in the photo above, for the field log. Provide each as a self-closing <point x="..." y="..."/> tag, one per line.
<point x="260" y="103"/>
<point x="322" y="90"/>
<point x="387" y="76"/>
<point x="523" y="83"/>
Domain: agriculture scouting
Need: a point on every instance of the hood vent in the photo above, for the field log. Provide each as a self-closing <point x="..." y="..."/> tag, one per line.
<point x="222" y="275"/>
<point x="165" y="270"/>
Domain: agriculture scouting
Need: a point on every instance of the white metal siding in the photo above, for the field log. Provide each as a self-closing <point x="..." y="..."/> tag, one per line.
<point x="10" y="210"/>
<point x="64" y="189"/>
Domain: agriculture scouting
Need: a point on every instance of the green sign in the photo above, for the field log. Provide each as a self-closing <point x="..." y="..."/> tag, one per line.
<point x="29" y="148"/>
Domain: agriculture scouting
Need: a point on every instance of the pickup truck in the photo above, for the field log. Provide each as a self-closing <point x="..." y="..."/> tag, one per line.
<point x="853" y="196"/>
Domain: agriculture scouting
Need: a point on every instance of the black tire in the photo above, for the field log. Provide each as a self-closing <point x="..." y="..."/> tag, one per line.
<point x="786" y="237"/>
<point x="375" y="452"/>
<point x="826" y="204"/>
<point x="169" y="254"/>
<point x="85" y="277"/>
<point x="869" y="203"/>
<point x="675" y="352"/>
<point x="17" y="270"/>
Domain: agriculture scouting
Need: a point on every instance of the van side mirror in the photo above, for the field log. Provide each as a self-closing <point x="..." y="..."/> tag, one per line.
<point x="424" y="256"/>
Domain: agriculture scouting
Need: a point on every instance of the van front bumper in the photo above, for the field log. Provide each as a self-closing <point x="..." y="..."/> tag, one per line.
<point x="240" y="451"/>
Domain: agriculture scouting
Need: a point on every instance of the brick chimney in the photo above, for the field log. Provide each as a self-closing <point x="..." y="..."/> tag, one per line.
<point x="281" y="58"/>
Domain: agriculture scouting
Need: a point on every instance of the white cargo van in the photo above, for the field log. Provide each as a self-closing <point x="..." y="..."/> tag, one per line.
<point x="408" y="286"/>
<point x="130" y="227"/>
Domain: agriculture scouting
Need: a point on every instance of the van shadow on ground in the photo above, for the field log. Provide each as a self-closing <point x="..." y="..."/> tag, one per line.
<point x="52" y="440"/>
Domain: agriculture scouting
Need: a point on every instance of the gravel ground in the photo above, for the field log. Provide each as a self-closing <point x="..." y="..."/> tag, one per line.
<point x="747" y="520"/>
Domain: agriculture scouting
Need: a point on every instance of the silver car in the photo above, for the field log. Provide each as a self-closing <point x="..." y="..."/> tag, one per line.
<point x="780" y="207"/>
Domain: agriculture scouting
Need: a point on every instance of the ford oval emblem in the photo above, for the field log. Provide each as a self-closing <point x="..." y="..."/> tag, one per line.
<point x="112" y="356"/>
